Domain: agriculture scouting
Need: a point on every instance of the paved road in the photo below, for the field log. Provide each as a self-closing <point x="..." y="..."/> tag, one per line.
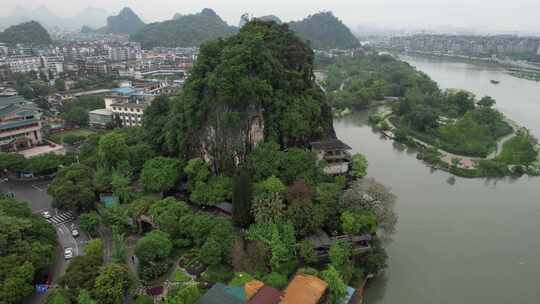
<point x="35" y="194"/>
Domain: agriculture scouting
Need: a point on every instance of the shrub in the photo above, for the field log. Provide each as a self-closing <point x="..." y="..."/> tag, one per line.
<point x="240" y="278"/>
<point x="308" y="271"/>
<point x="276" y="280"/>
<point x="218" y="273"/>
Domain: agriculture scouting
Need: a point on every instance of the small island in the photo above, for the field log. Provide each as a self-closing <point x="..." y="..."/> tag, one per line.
<point x="453" y="130"/>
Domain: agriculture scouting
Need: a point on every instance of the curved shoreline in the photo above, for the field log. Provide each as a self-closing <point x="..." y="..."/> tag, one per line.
<point x="466" y="166"/>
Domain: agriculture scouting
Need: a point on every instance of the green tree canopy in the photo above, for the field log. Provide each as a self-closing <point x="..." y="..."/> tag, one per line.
<point x="358" y="222"/>
<point x="112" y="284"/>
<point x="160" y="174"/>
<point x="336" y="286"/>
<point x="359" y="166"/>
<point x="27" y="247"/>
<point x="73" y="188"/>
<point x="153" y="247"/>
<point x="112" y="150"/>
<point x="242" y="196"/>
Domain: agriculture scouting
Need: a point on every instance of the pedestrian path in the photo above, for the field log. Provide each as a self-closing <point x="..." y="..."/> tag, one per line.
<point x="61" y="218"/>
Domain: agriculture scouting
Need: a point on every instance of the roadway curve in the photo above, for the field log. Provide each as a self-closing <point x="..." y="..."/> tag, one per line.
<point x="35" y="194"/>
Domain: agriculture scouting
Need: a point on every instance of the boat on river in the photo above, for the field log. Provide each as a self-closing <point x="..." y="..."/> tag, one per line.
<point x="495" y="82"/>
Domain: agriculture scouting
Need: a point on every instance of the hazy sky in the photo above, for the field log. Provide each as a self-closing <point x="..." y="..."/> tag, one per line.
<point x="521" y="15"/>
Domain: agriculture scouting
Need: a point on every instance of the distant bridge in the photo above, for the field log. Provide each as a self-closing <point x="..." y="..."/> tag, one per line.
<point x="165" y="72"/>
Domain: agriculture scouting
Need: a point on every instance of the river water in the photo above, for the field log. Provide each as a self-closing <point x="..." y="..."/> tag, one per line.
<point x="458" y="240"/>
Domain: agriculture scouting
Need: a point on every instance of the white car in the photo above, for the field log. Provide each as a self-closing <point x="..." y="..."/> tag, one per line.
<point x="68" y="253"/>
<point x="75" y="232"/>
<point x="46" y="214"/>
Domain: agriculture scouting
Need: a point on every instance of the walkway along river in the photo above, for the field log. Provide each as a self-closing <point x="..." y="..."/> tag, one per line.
<point x="458" y="240"/>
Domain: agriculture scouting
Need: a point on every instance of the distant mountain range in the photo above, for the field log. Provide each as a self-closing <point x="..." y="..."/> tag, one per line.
<point x="92" y="17"/>
<point x="126" y="22"/>
<point x="29" y="33"/>
<point x="184" y="30"/>
<point x="324" y="30"/>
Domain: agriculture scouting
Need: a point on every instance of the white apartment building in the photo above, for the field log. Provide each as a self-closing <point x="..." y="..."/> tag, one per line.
<point x="126" y="111"/>
<point x="23" y="64"/>
<point x="123" y="54"/>
<point x="54" y="64"/>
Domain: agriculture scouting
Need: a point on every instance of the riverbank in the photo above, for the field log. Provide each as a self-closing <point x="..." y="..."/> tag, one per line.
<point x="453" y="233"/>
<point x="493" y="165"/>
<point x="519" y="69"/>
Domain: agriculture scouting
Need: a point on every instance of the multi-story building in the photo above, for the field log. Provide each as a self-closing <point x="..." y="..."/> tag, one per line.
<point x="23" y="63"/>
<point x="20" y="127"/>
<point x="100" y="118"/>
<point x="123" y="53"/>
<point x="55" y="64"/>
<point x="470" y="46"/>
<point x="127" y="105"/>
<point x="94" y="66"/>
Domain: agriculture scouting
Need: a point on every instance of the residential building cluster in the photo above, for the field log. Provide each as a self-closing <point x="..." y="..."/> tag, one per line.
<point x="476" y="46"/>
<point x="124" y="106"/>
<point x="334" y="53"/>
<point x="98" y="57"/>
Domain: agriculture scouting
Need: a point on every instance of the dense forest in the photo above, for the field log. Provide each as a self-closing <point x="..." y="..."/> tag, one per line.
<point x="325" y="31"/>
<point x="262" y="77"/>
<point x="126" y="22"/>
<point x="354" y="83"/>
<point x="29" y="33"/>
<point x="184" y="30"/>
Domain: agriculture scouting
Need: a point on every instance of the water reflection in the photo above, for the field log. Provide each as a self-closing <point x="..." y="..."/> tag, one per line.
<point x="378" y="294"/>
<point x="457" y="240"/>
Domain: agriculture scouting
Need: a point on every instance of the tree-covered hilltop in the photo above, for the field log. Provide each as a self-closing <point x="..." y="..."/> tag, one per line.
<point x="184" y="30"/>
<point x="325" y="31"/>
<point x="258" y="84"/>
<point x="268" y="18"/>
<point x="30" y="33"/>
<point x="126" y="22"/>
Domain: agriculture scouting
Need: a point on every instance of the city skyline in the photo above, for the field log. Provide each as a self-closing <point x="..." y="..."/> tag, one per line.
<point x="519" y="15"/>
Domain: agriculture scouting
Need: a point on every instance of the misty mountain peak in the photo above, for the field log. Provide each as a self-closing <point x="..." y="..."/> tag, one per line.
<point x="208" y="12"/>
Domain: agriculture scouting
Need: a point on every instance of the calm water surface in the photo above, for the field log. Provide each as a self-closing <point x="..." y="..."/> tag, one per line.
<point x="468" y="241"/>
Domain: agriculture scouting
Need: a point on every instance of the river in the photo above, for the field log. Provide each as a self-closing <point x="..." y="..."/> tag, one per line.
<point x="458" y="240"/>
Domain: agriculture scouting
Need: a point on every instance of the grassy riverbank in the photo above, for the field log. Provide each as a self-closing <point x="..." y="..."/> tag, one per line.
<point x="453" y="129"/>
<point x="518" y="154"/>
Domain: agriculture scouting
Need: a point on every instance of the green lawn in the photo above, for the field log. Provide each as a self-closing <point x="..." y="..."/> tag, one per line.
<point x="518" y="151"/>
<point x="59" y="137"/>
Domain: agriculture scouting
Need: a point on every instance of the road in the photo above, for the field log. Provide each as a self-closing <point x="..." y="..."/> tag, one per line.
<point x="35" y="194"/>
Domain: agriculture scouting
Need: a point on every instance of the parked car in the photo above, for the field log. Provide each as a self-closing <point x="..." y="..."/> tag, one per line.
<point x="68" y="253"/>
<point x="46" y="214"/>
<point x="75" y="232"/>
